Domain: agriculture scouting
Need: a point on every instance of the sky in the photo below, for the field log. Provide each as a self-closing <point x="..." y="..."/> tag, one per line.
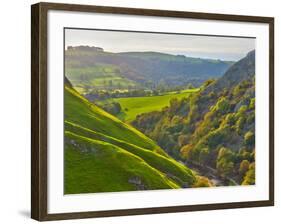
<point x="214" y="47"/>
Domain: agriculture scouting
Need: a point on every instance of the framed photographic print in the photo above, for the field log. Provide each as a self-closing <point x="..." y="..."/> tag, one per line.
<point x="139" y="111"/>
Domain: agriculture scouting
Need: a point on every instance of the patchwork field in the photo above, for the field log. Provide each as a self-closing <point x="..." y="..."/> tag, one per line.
<point x="85" y="79"/>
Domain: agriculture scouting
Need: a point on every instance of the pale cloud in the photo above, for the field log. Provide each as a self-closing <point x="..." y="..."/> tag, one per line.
<point x="225" y="48"/>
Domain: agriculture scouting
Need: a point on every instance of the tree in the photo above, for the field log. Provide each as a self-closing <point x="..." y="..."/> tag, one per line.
<point x="244" y="167"/>
<point x="242" y="111"/>
<point x="249" y="178"/>
<point x="252" y="104"/>
<point x="174" y="105"/>
<point x="182" y="140"/>
<point x="203" y="156"/>
<point x="208" y="82"/>
<point x="186" y="151"/>
<point x="240" y="124"/>
<point x="229" y="120"/>
<point x="222" y="106"/>
<point x="202" y="182"/>
<point x="225" y="153"/>
<point x="214" y="138"/>
<point x="112" y="108"/>
<point x="249" y="139"/>
<point x="225" y="165"/>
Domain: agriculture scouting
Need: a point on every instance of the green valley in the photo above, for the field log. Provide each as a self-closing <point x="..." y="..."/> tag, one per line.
<point x="133" y="106"/>
<point x="147" y="120"/>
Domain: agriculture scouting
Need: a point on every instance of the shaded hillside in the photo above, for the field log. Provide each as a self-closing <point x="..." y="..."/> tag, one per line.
<point x="212" y="128"/>
<point x="103" y="154"/>
<point x="242" y="70"/>
<point x="92" y="67"/>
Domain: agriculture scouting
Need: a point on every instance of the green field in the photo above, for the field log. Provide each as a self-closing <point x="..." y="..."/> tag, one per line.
<point x="132" y="106"/>
<point x="102" y="76"/>
<point x="104" y="154"/>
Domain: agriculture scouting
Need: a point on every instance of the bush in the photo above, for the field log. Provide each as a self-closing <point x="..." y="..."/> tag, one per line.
<point x="112" y="108"/>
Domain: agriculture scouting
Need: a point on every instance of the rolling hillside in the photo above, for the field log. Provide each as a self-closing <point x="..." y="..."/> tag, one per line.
<point x="91" y="67"/>
<point x="103" y="154"/>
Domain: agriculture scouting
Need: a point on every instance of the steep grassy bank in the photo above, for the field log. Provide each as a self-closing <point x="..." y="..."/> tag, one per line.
<point x="103" y="154"/>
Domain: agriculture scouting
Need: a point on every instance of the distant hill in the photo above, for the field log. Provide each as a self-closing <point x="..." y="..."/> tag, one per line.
<point x="103" y="154"/>
<point x="242" y="70"/>
<point x="93" y="66"/>
<point x="214" y="127"/>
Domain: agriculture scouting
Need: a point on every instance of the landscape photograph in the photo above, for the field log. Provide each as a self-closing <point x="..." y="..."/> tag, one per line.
<point x="155" y="111"/>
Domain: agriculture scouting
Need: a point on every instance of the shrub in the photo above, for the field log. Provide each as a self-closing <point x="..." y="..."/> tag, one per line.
<point x="113" y="108"/>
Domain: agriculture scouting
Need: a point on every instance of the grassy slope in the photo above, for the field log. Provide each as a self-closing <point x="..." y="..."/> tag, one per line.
<point x="80" y="111"/>
<point x="139" y="105"/>
<point x="103" y="167"/>
<point x="111" y="152"/>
